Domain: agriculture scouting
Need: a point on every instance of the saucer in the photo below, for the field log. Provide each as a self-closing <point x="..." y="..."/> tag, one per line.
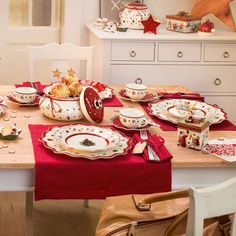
<point x="115" y="121"/>
<point x="148" y="98"/>
<point x="34" y="103"/>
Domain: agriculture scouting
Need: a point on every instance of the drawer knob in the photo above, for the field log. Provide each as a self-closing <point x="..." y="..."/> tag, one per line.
<point x="217" y="82"/>
<point x="226" y="55"/>
<point x="138" y="81"/>
<point x="180" y="54"/>
<point x="133" y="54"/>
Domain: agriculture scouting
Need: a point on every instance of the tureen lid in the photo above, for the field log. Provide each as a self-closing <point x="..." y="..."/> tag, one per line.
<point x="136" y="5"/>
<point x="91" y="105"/>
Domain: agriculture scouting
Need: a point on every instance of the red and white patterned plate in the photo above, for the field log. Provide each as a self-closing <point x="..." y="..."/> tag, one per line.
<point x="115" y="121"/>
<point x="148" y="98"/>
<point x="50" y="141"/>
<point x="174" y="110"/>
<point x="34" y="103"/>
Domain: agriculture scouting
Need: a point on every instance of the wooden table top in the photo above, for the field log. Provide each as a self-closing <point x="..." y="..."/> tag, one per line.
<point x="24" y="157"/>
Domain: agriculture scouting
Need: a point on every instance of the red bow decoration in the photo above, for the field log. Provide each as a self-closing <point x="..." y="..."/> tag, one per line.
<point x="150" y="25"/>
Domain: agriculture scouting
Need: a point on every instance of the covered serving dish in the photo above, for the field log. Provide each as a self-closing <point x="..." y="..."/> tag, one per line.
<point x="133" y="14"/>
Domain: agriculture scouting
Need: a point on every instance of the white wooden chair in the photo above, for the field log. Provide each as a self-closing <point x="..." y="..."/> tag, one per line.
<point x="60" y="56"/>
<point x="210" y="202"/>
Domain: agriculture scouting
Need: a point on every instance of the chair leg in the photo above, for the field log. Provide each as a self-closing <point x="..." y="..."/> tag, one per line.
<point x="86" y="203"/>
<point x="29" y="214"/>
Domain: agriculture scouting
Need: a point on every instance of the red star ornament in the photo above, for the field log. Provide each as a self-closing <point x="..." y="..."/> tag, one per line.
<point x="150" y="25"/>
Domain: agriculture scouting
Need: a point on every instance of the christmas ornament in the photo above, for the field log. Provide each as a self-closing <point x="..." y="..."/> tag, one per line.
<point x="56" y="73"/>
<point x="150" y="25"/>
<point x="207" y="27"/>
<point x="219" y="8"/>
<point x="71" y="72"/>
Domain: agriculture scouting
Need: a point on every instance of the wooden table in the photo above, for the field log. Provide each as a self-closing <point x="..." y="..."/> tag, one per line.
<point x="190" y="167"/>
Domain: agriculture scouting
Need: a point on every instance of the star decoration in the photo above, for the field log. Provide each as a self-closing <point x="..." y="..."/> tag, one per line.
<point x="150" y="25"/>
<point x="71" y="72"/>
<point x="56" y="73"/>
<point x="221" y="10"/>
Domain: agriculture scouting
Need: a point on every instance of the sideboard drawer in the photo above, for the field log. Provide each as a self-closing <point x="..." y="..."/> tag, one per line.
<point x="132" y="51"/>
<point x="205" y="79"/>
<point x="179" y="52"/>
<point x="220" y="52"/>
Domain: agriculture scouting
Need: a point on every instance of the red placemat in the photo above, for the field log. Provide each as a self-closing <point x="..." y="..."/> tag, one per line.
<point x="63" y="177"/>
<point x="112" y="102"/>
<point x="226" y="125"/>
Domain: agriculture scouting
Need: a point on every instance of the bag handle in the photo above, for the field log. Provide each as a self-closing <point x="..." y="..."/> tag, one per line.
<point x="144" y="202"/>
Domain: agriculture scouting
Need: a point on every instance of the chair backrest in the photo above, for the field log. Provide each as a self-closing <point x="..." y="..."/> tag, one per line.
<point x="59" y="56"/>
<point x="211" y="202"/>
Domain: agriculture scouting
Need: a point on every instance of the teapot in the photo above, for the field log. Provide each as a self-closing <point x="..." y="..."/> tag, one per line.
<point x="133" y="14"/>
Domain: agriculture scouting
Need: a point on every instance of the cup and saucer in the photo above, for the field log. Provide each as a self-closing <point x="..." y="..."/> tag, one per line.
<point x="131" y="119"/>
<point x="137" y="93"/>
<point x="24" y="96"/>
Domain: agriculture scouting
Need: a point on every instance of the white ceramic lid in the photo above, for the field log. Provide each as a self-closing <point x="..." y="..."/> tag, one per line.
<point x="131" y="112"/>
<point x="91" y="105"/>
<point x="136" y="86"/>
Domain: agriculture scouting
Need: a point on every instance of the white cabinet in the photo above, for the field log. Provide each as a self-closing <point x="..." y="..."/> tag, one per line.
<point x="206" y="64"/>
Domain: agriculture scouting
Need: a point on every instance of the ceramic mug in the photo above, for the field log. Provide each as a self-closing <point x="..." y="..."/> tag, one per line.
<point x="136" y="91"/>
<point x="132" y="118"/>
<point x="24" y="94"/>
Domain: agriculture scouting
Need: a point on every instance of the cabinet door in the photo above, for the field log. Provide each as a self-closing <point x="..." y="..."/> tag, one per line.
<point x="212" y="79"/>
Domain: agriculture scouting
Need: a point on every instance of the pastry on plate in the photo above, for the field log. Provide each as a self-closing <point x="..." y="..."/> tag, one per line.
<point x="60" y="90"/>
<point x="68" y="80"/>
<point x="75" y="89"/>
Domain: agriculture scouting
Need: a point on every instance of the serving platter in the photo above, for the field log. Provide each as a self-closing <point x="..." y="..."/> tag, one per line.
<point x="174" y="110"/>
<point x="148" y="98"/>
<point x="103" y="90"/>
<point x="50" y="141"/>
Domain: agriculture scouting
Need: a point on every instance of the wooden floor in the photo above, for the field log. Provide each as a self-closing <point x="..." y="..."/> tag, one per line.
<point x="51" y="218"/>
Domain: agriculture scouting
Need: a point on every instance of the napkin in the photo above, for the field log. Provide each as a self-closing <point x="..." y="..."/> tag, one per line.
<point x="157" y="144"/>
<point x="191" y="96"/>
<point x="38" y="85"/>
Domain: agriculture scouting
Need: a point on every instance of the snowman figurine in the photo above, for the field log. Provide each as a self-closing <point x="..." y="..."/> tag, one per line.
<point x="207" y="28"/>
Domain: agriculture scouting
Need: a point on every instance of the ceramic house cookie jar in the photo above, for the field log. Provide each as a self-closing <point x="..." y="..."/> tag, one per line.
<point x="193" y="133"/>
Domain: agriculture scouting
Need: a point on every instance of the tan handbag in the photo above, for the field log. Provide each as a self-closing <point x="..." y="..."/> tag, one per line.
<point x="136" y="215"/>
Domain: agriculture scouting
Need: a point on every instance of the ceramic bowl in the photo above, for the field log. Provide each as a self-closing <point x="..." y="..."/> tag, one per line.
<point x="24" y="94"/>
<point x="136" y="91"/>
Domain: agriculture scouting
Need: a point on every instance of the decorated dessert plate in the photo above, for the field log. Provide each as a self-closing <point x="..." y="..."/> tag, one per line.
<point x="50" y="141"/>
<point x="148" y="98"/>
<point x="174" y="110"/>
<point x="3" y="106"/>
<point x="34" y="103"/>
<point x="103" y="90"/>
<point x="116" y="123"/>
<point x="86" y="138"/>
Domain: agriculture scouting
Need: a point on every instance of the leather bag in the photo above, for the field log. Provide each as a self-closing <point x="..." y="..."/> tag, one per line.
<point x="161" y="214"/>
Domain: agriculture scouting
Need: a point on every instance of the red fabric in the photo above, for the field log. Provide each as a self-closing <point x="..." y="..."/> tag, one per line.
<point x="112" y="102"/>
<point x="63" y="177"/>
<point x="190" y="96"/>
<point x="40" y="87"/>
<point x="226" y="125"/>
<point x="157" y="144"/>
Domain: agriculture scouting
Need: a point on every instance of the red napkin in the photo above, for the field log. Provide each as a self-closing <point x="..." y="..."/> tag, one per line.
<point x="157" y="144"/>
<point x="112" y="102"/>
<point x="58" y="176"/>
<point x="39" y="86"/>
<point x="190" y="96"/>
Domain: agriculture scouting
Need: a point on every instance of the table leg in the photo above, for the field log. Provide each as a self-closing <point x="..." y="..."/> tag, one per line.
<point x="29" y="214"/>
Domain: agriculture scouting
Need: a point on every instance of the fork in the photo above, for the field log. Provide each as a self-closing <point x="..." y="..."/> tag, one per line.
<point x="152" y="155"/>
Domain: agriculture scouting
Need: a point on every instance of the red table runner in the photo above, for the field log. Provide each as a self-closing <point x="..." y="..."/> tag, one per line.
<point x="63" y="177"/>
<point x="226" y="125"/>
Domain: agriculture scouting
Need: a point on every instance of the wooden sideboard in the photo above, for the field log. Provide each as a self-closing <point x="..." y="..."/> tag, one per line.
<point x="206" y="64"/>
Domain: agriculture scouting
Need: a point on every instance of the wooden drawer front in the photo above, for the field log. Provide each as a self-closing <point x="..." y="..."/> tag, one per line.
<point x="225" y="102"/>
<point x="133" y="51"/>
<point x="197" y="78"/>
<point x="220" y="52"/>
<point x="179" y="52"/>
